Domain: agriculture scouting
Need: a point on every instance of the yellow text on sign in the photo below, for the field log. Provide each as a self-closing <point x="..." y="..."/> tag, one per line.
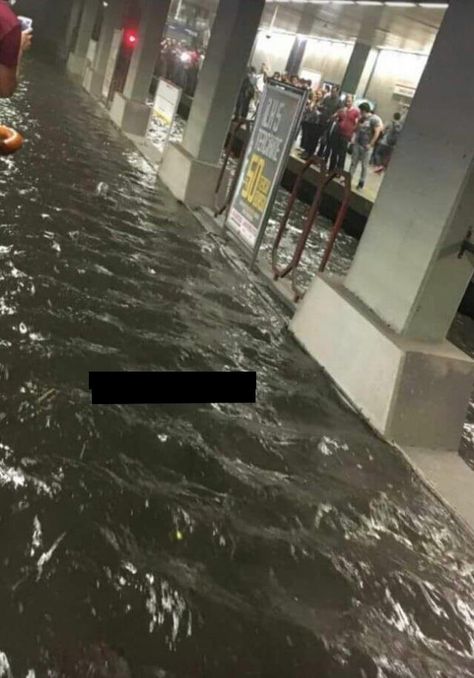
<point x="256" y="186"/>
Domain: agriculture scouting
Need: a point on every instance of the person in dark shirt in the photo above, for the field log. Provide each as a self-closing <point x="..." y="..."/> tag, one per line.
<point x="13" y="42"/>
<point x="313" y="126"/>
<point x="384" y="149"/>
<point x="247" y="93"/>
<point x="328" y="108"/>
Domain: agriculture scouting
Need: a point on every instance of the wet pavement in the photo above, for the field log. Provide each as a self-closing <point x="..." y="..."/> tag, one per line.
<point x="282" y="540"/>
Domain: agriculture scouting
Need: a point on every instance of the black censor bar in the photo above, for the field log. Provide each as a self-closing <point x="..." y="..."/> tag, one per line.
<point x="172" y="388"/>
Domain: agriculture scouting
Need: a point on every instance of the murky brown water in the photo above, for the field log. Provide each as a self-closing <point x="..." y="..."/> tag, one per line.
<point x="278" y="540"/>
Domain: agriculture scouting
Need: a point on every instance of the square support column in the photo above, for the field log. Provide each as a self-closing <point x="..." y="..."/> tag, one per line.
<point x="305" y="25"/>
<point x="74" y="18"/>
<point x="233" y="34"/>
<point x="382" y="336"/>
<point x="356" y="68"/>
<point x="130" y="110"/>
<point x="95" y="74"/>
<point x="77" y="61"/>
<point x="414" y="393"/>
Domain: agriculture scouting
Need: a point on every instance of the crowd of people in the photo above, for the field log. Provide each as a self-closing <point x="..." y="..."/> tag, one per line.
<point x="332" y="125"/>
<point x="181" y="64"/>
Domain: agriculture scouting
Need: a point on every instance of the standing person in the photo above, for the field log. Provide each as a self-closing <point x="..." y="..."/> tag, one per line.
<point x="388" y="142"/>
<point x="329" y="106"/>
<point x="368" y="131"/>
<point x="258" y="82"/>
<point x="347" y="119"/>
<point x="295" y="81"/>
<point x="13" y="43"/>
<point x="247" y="93"/>
<point x="306" y="124"/>
<point x="265" y="72"/>
<point x="314" y="127"/>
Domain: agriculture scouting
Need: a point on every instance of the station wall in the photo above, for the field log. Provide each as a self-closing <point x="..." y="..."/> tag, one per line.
<point x="328" y="58"/>
<point x="272" y="51"/>
<point x="393" y="71"/>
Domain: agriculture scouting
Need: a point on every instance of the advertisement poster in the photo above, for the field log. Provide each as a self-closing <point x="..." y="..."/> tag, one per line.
<point x="167" y="101"/>
<point x="265" y="160"/>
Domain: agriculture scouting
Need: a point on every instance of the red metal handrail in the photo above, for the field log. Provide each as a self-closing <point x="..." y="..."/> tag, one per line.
<point x="277" y="272"/>
<point x="338" y="223"/>
<point x="331" y="176"/>
<point x="323" y="179"/>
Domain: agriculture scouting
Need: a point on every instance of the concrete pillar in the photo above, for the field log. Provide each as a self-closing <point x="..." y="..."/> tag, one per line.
<point x="190" y="169"/>
<point x="382" y="333"/>
<point x="356" y="67"/>
<point x="74" y="18"/>
<point x="78" y="58"/>
<point x="130" y="110"/>
<point x="293" y="65"/>
<point x="95" y="74"/>
<point x="66" y="41"/>
<point x="305" y="25"/>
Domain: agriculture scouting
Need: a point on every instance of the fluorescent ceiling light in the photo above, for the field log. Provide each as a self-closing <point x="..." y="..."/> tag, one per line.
<point x="434" y="5"/>
<point x="369" y="3"/>
<point x="343" y="2"/>
<point x="400" y="4"/>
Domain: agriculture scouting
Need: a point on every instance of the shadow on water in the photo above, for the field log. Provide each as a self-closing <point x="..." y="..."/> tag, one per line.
<point x="278" y="540"/>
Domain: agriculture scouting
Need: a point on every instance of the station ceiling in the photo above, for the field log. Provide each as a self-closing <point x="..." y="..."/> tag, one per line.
<point x="398" y="25"/>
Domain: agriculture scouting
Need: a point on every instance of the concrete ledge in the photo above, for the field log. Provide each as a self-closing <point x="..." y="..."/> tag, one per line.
<point x="147" y="148"/>
<point x="189" y="180"/>
<point x="415" y="394"/>
<point x="132" y="117"/>
<point x="448" y="477"/>
<point x="88" y="74"/>
<point x="93" y="82"/>
<point x="76" y="65"/>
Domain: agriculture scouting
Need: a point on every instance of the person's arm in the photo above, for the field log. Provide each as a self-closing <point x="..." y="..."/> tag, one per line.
<point x="378" y="129"/>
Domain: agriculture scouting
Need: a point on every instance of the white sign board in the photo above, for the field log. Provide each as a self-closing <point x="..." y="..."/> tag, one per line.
<point x="112" y="63"/>
<point x="167" y="101"/>
<point x="165" y="108"/>
<point x="404" y="91"/>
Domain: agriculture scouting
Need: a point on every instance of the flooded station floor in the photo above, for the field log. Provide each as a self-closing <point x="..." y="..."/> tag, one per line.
<point x="281" y="540"/>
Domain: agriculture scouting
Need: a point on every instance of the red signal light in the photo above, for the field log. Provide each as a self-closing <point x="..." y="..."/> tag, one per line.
<point x="131" y="38"/>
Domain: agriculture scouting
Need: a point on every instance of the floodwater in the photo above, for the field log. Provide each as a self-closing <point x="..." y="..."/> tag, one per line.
<point x="281" y="540"/>
<point x="345" y="245"/>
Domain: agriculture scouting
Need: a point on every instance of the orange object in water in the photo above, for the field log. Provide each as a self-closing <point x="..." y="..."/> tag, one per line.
<point x="10" y="141"/>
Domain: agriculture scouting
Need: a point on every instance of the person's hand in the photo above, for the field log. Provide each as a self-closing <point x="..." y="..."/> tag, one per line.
<point x="26" y="40"/>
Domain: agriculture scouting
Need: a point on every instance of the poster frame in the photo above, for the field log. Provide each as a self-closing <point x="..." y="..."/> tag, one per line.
<point x="271" y="85"/>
